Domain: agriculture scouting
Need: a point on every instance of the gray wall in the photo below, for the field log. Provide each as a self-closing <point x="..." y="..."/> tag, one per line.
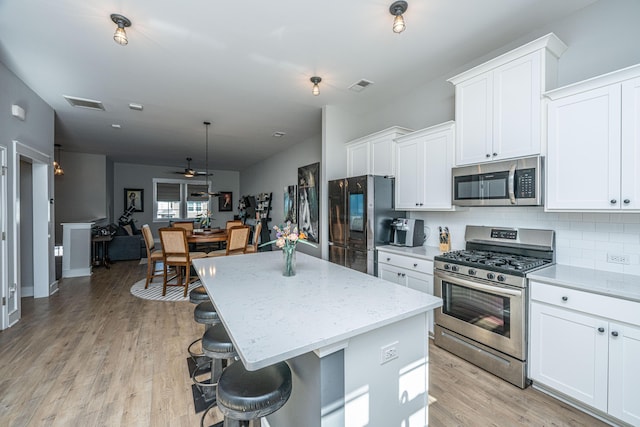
<point x="81" y="193"/>
<point x="37" y="133"/>
<point x="126" y="175"/>
<point x="272" y="175"/>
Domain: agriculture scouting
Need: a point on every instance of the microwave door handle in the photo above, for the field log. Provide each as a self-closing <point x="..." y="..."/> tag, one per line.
<point x="512" y="190"/>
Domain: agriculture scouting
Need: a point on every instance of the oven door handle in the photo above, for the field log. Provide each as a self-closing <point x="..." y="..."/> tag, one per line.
<point x="512" y="190"/>
<point x="496" y="289"/>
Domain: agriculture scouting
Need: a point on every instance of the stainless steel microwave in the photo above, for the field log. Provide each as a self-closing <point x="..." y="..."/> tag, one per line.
<point x="516" y="182"/>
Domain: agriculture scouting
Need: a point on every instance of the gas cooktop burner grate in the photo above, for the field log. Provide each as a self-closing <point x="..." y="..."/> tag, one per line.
<point x="516" y="264"/>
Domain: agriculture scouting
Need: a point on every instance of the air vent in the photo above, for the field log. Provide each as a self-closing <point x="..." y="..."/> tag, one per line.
<point x="361" y="85"/>
<point x="84" y="103"/>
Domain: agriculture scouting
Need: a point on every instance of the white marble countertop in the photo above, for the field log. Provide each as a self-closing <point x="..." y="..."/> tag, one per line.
<point x="272" y="318"/>
<point x="617" y="285"/>
<point x="423" y="252"/>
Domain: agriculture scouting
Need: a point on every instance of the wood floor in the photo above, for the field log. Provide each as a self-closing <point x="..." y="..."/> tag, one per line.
<point x="94" y="355"/>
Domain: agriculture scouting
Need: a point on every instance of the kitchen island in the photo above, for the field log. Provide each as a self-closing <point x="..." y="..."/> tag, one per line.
<point x="357" y="345"/>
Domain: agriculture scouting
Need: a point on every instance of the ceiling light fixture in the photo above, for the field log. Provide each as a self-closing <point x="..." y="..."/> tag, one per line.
<point x="206" y="160"/>
<point x="397" y="8"/>
<point x="120" y="36"/>
<point x="316" y="89"/>
<point x="57" y="168"/>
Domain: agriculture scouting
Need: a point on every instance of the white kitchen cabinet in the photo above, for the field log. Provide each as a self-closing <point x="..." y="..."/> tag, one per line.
<point x="407" y="271"/>
<point x="586" y="346"/>
<point x="498" y="106"/>
<point x="594" y="144"/>
<point x="423" y="172"/>
<point x="374" y="154"/>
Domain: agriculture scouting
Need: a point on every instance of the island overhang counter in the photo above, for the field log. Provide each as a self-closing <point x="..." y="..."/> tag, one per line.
<point x="357" y="345"/>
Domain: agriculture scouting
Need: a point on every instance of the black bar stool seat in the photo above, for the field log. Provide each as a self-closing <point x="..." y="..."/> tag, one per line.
<point x="206" y="313"/>
<point x="244" y="395"/>
<point x="198" y="295"/>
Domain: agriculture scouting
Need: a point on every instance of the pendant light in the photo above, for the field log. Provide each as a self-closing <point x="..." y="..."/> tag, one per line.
<point x="120" y="36"/>
<point x="206" y="160"/>
<point x="57" y="168"/>
<point x="397" y="8"/>
<point x="316" y="89"/>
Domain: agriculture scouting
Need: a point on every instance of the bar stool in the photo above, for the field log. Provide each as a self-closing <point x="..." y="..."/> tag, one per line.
<point x="244" y="397"/>
<point x="206" y="314"/>
<point x="198" y="295"/>
<point x="216" y="345"/>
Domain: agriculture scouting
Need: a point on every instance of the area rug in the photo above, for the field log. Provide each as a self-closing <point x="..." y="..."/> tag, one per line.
<point x="154" y="292"/>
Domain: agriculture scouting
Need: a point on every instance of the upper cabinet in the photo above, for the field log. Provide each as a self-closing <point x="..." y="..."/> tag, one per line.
<point x="499" y="103"/>
<point x="423" y="172"/>
<point x="593" y="152"/>
<point x="374" y="154"/>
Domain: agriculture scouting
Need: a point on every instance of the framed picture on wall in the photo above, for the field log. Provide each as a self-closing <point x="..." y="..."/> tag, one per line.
<point x="309" y="201"/>
<point x="134" y="197"/>
<point x="225" y="201"/>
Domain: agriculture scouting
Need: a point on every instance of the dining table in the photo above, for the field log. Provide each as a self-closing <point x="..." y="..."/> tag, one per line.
<point x="207" y="237"/>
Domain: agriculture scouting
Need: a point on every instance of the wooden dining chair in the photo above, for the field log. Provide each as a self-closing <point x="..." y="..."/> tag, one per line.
<point x="176" y="254"/>
<point x="154" y="256"/>
<point x="187" y="225"/>
<point x="234" y="223"/>
<point x="237" y="239"/>
<point x="253" y="248"/>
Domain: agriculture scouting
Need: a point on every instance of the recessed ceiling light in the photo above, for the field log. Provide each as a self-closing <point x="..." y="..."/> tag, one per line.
<point x="116" y="126"/>
<point x="279" y="134"/>
<point x="137" y="107"/>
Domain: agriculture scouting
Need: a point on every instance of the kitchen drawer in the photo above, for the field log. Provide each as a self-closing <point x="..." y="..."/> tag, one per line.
<point x="410" y="263"/>
<point x="616" y="309"/>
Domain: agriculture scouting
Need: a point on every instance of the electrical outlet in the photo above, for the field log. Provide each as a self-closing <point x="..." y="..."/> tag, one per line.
<point x="618" y="258"/>
<point x="388" y="352"/>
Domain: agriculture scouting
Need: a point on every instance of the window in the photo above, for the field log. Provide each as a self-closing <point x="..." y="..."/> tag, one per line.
<point x="177" y="199"/>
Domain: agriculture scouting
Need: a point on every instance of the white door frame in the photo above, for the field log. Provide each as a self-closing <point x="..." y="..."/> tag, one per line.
<point x="42" y="246"/>
<point x="4" y="288"/>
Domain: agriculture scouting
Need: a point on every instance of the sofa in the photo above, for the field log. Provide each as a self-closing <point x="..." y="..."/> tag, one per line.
<point x="127" y="243"/>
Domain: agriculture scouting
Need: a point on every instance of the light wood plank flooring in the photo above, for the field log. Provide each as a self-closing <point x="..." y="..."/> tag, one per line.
<point x="94" y="355"/>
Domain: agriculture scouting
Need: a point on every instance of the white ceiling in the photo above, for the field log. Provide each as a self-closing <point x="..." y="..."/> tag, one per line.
<point x="243" y="65"/>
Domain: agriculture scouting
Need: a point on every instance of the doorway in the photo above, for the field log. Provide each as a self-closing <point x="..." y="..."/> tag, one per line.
<point x="28" y="225"/>
<point x="4" y="322"/>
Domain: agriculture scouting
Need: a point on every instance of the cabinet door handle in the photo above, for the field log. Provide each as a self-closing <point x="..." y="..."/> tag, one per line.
<point x="626" y="201"/>
<point x="488" y="155"/>
<point x="388" y="259"/>
<point x="565" y="298"/>
<point x="415" y="264"/>
<point x="601" y="329"/>
<point x="398" y="273"/>
<point x="403" y="275"/>
<point x="614" y="333"/>
<point x="613" y="201"/>
<point x="495" y="154"/>
<point x="417" y="204"/>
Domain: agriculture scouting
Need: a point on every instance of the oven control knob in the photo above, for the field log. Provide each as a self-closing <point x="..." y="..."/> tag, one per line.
<point x="472" y="272"/>
<point x="490" y="276"/>
<point x="454" y="268"/>
<point x="447" y="267"/>
<point x="501" y="278"/>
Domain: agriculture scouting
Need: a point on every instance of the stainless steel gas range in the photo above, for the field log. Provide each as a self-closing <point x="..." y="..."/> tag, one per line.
<point x="485" y="298"/>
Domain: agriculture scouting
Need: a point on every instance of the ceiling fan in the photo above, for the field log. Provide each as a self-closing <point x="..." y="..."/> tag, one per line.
<point x="207" y="193"/>
<point x="190" y="172"/>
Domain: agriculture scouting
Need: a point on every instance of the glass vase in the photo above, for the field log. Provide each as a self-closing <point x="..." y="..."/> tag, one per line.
<point x="289" y="261"/>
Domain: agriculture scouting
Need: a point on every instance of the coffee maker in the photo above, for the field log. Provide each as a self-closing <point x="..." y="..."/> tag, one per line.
<point x="407" y="232"/>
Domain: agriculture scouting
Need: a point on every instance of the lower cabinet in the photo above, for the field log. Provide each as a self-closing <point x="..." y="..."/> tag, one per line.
<point x="582" y="347"/>
<point x="407" y="271"/>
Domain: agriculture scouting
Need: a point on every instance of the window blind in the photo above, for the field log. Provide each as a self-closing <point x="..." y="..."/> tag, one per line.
<point x="166" y="192"/>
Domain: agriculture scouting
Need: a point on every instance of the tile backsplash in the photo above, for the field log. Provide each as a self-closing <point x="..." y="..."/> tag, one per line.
<point x="582" y="239"/>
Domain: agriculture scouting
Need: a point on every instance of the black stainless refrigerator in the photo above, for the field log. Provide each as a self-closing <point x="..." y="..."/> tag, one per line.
<point x="360" y="215"/>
